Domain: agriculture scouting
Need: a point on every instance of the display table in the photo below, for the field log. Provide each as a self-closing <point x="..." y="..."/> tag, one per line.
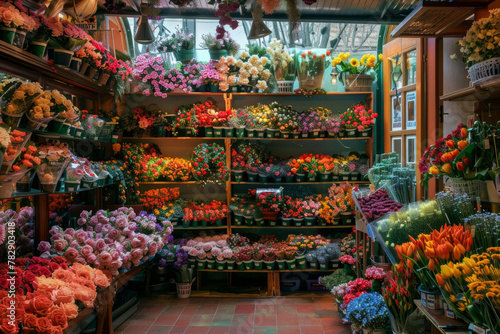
<point x="442" y="324"/>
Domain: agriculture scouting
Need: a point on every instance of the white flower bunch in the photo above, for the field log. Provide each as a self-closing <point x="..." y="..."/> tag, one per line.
<point x="4" y="138"/>
<point x="282" y="60"/>
<point x="243" y="71"/>
<point x="482" y="40"/>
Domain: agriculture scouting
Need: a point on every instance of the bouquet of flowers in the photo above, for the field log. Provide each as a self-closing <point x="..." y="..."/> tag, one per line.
<point x="209" y="163"/>
<point x="10" y="16"/>
<point x="72" y="37"/>
<point x="367" y="65"/>
<point x="269" y="201"/>
<point x="292" y="208"/>
<point x="368" y="311"/>
<point x="17" y="99"/>
<point x="310" y="69"/>
<point x="358" y="117"/>
<point x="283" y="62"/>
<point x="209" y="73"/>
<point x="327" y="212"/>
<point x="158" y="198"/>
<point x="48" y="105"/>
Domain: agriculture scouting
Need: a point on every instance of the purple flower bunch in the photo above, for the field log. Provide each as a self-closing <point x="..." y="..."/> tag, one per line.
<point x="309" y="121"/>
<point x="182" y="258"/>
<point x="209" y="73"/>
<point x="332" y="125"/>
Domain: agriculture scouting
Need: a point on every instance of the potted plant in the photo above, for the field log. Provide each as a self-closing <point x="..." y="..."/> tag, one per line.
<point x="368" y="312"/>
<point x="336" y="278"/>
<point x="269" y="257"/>
<point x="312" y="260"/>
<point x="182" y="43"/>
<point x="280" y="256"/>
<point x="325" y="167"/>
<point x="284" y="65"/>
<point x="356" y="75"/>
<point x="377" y="276"/>
<point x="265" y="171"/>
<point x="239" y="122"/>
<point x="333" y="126"/>
<point x="270" y="203"/>
<point x="246" y="256"/>
<point x="259" y="217"/>
<point x="310" y="69"/>
<point x="297" y="168"/>
<point x="219" y="47"/>
<point x="11" y="20"/>
<point x="258" y="256"/>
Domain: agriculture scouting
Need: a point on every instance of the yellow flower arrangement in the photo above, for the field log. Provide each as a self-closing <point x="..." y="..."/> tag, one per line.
<point x="366" y="65"/>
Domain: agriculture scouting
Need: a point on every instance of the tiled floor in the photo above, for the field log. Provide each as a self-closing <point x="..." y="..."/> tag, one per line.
<point x="167" y="314"/>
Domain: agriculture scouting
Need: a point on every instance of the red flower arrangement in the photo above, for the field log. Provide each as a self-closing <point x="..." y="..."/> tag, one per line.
<point x="355" y="289"/>
<point x="158" y="198"/>
<point x="209" y="163"/>
<point x="269" y="201"/>
<point x="358" y="117"/>
<point x="143" y="117"/>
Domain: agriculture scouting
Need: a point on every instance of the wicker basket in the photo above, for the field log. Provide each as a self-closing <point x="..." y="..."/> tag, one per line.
<point x="469" y="187"/>
<point x="358" y="83"/>
<point x="285" y="86"/>
<point x="183" y="289"/>
<point x="485" y="70"/>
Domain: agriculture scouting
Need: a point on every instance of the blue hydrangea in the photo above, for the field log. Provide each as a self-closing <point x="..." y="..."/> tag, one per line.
<point x="368" y="311"/>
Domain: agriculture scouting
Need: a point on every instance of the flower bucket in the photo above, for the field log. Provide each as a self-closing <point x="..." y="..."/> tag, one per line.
<point x="335" y="178"/>
<point x="240" y="132"/>
<point x="334" y="264"/>
<point x="301" y="262"/>
<point x="285" y="135"/>
<point x="263" y="178"/>
<point x="286" y="221"/>
<point x="248" y="265"/>
<point x="249" y="220"/>
<point x="191" y="262"/>
<point x="358" y="83"/>
<point x="323" y="266"/>
<point x="220" y="265"/>
<point x="269" y="265"/>
<point x="304" y="135"/>
<point x="322" y="134"/>
<point x="87" y="184"/>
<point x="273" y="133"/>
<point x="271" y="222"/>
<point x="322" y="222"/>
<point x="103" y="78"/>
<point x="311" y="177"/>
<point x="238" y="220"/>
<point x="241" y="266"/>
<point x="300" y="177"/>
<point x="61" y="57"/>
<point x="354" y="176"/>
<point x="277" y="179"/>
<point x="19" y="38"/>
<point x="218" y="222"/>
<point x="310" y="221"/>
<point x="486" y="70"/>
<point x="258" y="265"/>
<point x="431" y="300"/>
<point x="204" y="223"/>
<point x="298" y="221"/>
<point x="12" y="120"/>
<point x="183" y="289"/>
<point x="281" y="264"/>
<point x="194" y="223"/>
<point x="260" y="133"/>
<point x="184" y="55"/>
<point x="210" y="264"/>
<point x="325" y="177"/>
<point x="250" y="133"/>
<point x="350" y="133"/>
<point x="186" y="223"/>
<point x="209" y="131"/>
<point x="260" y="222"/>
<point x="333" y="134"/>
<point x="218" y="131"/>
<point x="75" y="64"/>
<point x="230" y="265"/>
<point x="270" y="215"/>
<point x="291" y="264"/>
<point x="228" y="132"/>
<point x="314" y="134"/>
<point x="344" y="176"/>
<point x="252" y="177"/>
<point x="365" y="133"/>
<point x="91" y="73"/>
<point x="238" y="175"/>
<point x="296" y="135"/>
<point x="469" y="187"/>
<point x="7" y="34"/>
<point x="49" y="187"/>
<point x="217" y="54"/>
<point x="55" y="125"/>
<point x="347" y="218"/>
<point x="288" y="179"/>
<point x="313" y="264"/>
<point x="64" y="129"/>
<point x="342" y="134"/>
<point x="72" y="185"/>
<point x="37" y="48"/>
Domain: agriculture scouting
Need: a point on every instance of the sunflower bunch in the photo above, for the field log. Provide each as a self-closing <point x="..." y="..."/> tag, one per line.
<point x="368" y="64"/>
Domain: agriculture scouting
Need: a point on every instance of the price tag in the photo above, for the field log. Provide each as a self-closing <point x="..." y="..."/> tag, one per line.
<point x="473" y="230"/>
<point x="486" y="144"/>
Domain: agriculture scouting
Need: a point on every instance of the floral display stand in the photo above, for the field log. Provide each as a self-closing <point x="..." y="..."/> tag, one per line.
<point x="440" y="323"/>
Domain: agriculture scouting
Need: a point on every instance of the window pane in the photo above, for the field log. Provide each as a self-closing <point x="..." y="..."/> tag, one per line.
<point x="396" y="113"/>
<point x="411" y="67"/>
<point x="411" y="110"/>
<point x="396" y="72"/>
<point x="396" y="146"/>
<point x="411" y="149"/>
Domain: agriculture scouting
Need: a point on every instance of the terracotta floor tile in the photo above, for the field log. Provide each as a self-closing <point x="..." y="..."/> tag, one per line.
<point x="286" y="308"/>
<point x="287" y="320"/>
<point x="184" y="320"/>
<point x="225" y="309"/>
<point x="178" y="330"/>
<point x="201" y="320"/>
<point x="311" y="330"/>
<point x="288" y="330"/>
<point x="142" y="319"/>
<point x="241" y="330"/>
<point x="309" y="320"/>
<point x="340" y="329"/>
<point x="197" y="330"/>
<point x="265" y="308"/>
<point x="222" y="320"/>
<point x="136" y="329"/>
<point x="207" y="308"/>
<point x="242" y="320"/>
<point x="191" y="309"/>
<point x="306" y="308"/>
<point x="265" y="320"/>
<point x="245" y="309"/>
<point x="219" y="330"/>
<point x="265" y="330"/>
<point x="159" y="330"/>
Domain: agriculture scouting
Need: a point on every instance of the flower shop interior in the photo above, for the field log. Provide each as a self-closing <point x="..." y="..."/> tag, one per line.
<point x="249" y="167"/>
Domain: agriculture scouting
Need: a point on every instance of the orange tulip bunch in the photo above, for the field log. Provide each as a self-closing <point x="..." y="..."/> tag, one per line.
<point x="429" y="252"/>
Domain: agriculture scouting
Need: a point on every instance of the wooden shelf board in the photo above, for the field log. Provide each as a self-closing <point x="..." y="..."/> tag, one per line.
<point x="292" y="227"/>
<point x="81" y="315"/>
<point x="169" y="182"/>
<point x="178" y="228"/>
<point x="257" y="94"/>
<point x="181" y="94"/>
<point x="443" y="324"/>
<point x="234" y="138"/>
<point x="35" y="192"/>
<point x="489" y="90"/>
<point x="269" y="271"/>
<point x="300" y="183"/>
<point x="10" y="53"/>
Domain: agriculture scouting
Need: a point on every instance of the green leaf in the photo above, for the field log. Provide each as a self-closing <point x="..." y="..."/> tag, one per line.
<point x="466" y="152"/>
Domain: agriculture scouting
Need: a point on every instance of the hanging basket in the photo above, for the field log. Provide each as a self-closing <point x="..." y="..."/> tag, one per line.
<point x="485" y="70"/>
<point x="469" y="187"/>
<point x="358" y="83"/>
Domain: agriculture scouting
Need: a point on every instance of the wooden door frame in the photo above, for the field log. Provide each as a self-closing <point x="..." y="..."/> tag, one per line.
<point x="402" y="46"/>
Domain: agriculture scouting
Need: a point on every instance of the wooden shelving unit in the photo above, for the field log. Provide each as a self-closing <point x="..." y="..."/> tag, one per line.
<point x="487" y="91"/>
<point x="442" y="324"/>
<point x="292" y="227"/>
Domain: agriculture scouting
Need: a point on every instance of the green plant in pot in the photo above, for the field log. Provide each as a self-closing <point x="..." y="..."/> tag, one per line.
<point x="336" y="278"/>
<point x="219" y="47"/>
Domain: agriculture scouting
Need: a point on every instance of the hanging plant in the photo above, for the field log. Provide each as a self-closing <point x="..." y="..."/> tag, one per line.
<point x="181" y="3"/>
<point x="293" y="14"/>
<point x="114" y="6"/>
<point x="309" y="2"/>
<point x="223" y="12"/>
<point x="270" y="6"/>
